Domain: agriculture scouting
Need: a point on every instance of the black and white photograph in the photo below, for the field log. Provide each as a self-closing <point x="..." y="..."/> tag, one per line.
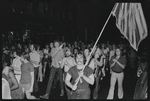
<point x="74" y="49"/>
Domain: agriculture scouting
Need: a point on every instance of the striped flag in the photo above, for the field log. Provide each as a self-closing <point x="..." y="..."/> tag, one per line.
<point x="131" y="22"/>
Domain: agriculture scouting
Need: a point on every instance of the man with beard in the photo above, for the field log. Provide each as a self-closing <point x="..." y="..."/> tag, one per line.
<point x="66" y="64"/>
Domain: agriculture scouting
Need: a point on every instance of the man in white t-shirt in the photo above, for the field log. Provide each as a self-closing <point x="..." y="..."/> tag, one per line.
<point x="35" y="60"/>
<point x="16" y="65"/>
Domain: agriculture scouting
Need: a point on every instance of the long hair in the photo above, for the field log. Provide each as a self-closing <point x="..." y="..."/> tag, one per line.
<point x="84" y="54"/>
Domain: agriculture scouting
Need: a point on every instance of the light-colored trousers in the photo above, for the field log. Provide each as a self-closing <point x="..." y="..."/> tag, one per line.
<point x="18" y="77"/>
<point x="116" y="77"/>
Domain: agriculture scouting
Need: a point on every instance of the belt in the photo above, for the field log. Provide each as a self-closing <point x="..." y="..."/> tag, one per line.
<point x="81" y="89"/>
<point x="118" y="72"/>
<point x="17" y="74"/>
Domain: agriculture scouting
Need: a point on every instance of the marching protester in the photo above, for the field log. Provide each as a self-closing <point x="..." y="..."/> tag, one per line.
<point x="117" y="65"/>
<point x="57" y="55"/>
<point x="66" y="64"/>
<point x="81" y="90"/>
<point x="35" y="60"/>
<point x="99" y="64"/>
<point x="16" y="66"/>
<point x="51" y="47"/>
<point x="46" y="60"/>
<point x="40" y="75"/>
<point x="27" y="76"/>
<point x="63" y="60"/>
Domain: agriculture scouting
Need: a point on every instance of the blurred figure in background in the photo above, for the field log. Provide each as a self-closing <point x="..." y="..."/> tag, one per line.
<point x="35" y="60"/>
<point x="66" y="64"/>
<point x="57" y="55"/>
<point x="9" y="77"/>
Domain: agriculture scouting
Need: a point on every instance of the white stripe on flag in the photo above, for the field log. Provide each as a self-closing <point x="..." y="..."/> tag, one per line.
<point x="131" y="22"/>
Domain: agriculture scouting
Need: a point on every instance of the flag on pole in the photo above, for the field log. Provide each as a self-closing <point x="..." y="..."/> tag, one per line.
<point x="131" y="22"/>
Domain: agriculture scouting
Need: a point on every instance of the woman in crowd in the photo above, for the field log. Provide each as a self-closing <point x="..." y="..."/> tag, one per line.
<point x="46" y="60"/>
<point x="40" y="76"/>
<point x="117" y="65"/>
<point x="75" y="51"/>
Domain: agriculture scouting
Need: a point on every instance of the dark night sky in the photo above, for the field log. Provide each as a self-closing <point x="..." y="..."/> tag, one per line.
<point x="89" y="14"/>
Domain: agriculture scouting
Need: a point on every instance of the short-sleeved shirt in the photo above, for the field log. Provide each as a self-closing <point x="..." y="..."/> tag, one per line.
<point x="26" y="69"/>
<point x="17" y="65"/>
<point x="116" y="67"/>
<point x="92" y="64"/>
<point x="35" y="56"/>
<point x="73" y="71"/>
<point x="56" y="59"/>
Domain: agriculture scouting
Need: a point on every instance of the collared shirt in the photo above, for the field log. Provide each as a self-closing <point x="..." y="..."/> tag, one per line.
<point x="17" y="65"/>
<point x="35" y="56"/>
<point x="57" y="58"/>
<point x="116" y="67"/>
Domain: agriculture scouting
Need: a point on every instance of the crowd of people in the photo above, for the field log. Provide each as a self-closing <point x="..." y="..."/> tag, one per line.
<point x="24" y="65"/>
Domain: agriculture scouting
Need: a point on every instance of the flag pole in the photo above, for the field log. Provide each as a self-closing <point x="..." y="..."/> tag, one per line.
<point x="95" y="44"/>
